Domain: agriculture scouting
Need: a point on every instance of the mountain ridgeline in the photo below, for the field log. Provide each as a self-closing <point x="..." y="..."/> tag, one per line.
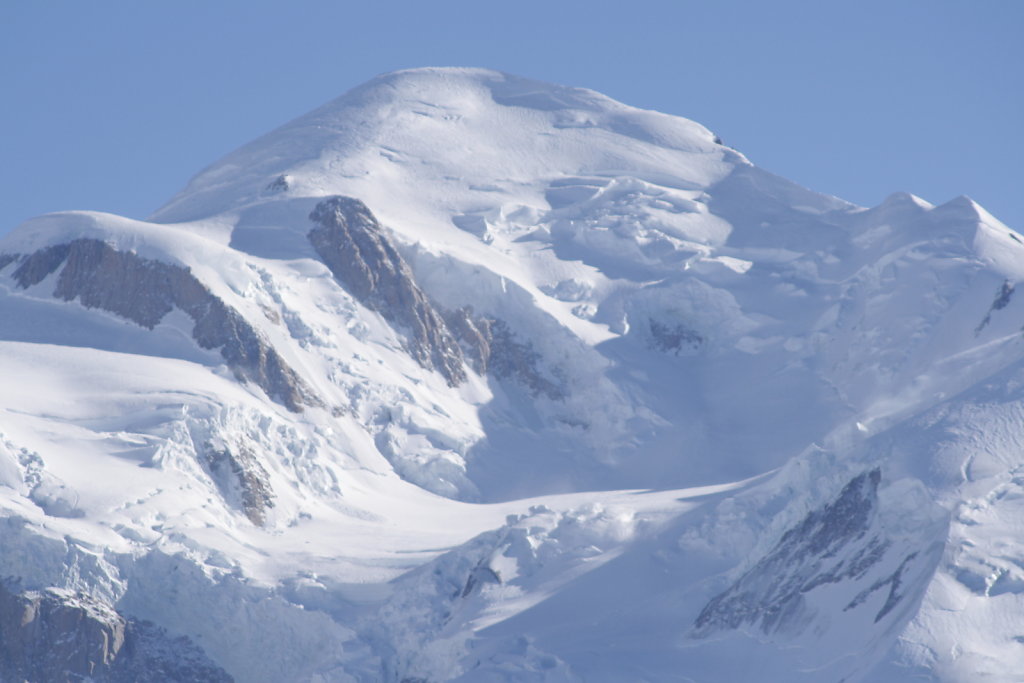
<point x="468" y="377"/>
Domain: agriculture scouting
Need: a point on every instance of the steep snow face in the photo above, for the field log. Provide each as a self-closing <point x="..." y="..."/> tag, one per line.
<point x="456" y="285"/>
<point x="968" y="450"/>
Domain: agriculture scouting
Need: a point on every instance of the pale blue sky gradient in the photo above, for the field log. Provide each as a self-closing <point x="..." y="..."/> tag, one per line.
<point x="113" y="106"/>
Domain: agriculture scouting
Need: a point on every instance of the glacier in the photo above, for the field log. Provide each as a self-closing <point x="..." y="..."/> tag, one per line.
<point x="464" y="376"/>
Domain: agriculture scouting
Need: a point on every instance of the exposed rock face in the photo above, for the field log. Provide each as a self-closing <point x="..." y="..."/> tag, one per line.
<point x="362" y="257"/>
<point x="144" y="291"/>
<point x="492" y="347"/>
<point x="55" y="635"/>
<point x="1002" y="301"/>
<point x="279" y="184"/>
<point x="832" y="544"/>
<point x="242" y="481"/>
<point x="59" y="635"/>
<point x="39" y="264"/>
<point x="151" y="655"/>
<point x="474" y="335"/>
<point x="674" y="338"/>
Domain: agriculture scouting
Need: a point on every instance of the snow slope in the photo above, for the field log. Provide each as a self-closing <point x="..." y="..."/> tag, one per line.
<point x="465" y="376"/>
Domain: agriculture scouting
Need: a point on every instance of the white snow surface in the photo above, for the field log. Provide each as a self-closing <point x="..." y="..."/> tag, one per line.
<point x="729" y="352"/>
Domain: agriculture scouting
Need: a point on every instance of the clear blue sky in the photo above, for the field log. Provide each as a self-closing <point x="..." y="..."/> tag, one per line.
<point x="113" y="106"/>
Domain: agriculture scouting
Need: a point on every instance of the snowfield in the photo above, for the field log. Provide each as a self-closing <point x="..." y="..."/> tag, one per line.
<point x="469" y="377"/>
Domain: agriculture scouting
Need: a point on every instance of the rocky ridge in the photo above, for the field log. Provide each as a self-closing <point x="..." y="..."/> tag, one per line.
<point x="59" y="635"/>
<point x="145" y="290"/>
<point x="684" y="384"/>
<point x="353" y="245"/>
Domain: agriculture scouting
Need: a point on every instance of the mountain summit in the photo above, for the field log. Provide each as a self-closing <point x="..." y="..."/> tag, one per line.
<point x="445" y="129"/>
<point x="464" y="376"/>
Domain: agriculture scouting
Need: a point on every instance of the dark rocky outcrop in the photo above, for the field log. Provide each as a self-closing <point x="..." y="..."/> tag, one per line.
<point x="56" y="635"/>
<point x="279" y="184"/>
<point x="474" y="335"/>
<point x="241" y="480"/>
<point x="144" y="291"/>
<point x="60" y="635"/>
<point x="831" y="544"/>
<point x="360" y="255"/>
<point x="480" y="575"/>
<point x="37" y="265"/>
<point x="492" y="347"/>
<point x="363" y="259"/>
<point x="674" y="338"/>
<point x="1002" y="301"/>
<point x="893" y="581"/>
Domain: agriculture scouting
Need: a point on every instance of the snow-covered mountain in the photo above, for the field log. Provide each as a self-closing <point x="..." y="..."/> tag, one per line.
<point x="469" y="377"/>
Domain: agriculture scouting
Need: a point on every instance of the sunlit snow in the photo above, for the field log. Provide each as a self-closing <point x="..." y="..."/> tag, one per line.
<point x="740" y="431"/>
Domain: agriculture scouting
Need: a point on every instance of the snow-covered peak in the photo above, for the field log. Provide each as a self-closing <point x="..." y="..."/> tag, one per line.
<point x="328" y="369"/>
<point x="455" y="134"/>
